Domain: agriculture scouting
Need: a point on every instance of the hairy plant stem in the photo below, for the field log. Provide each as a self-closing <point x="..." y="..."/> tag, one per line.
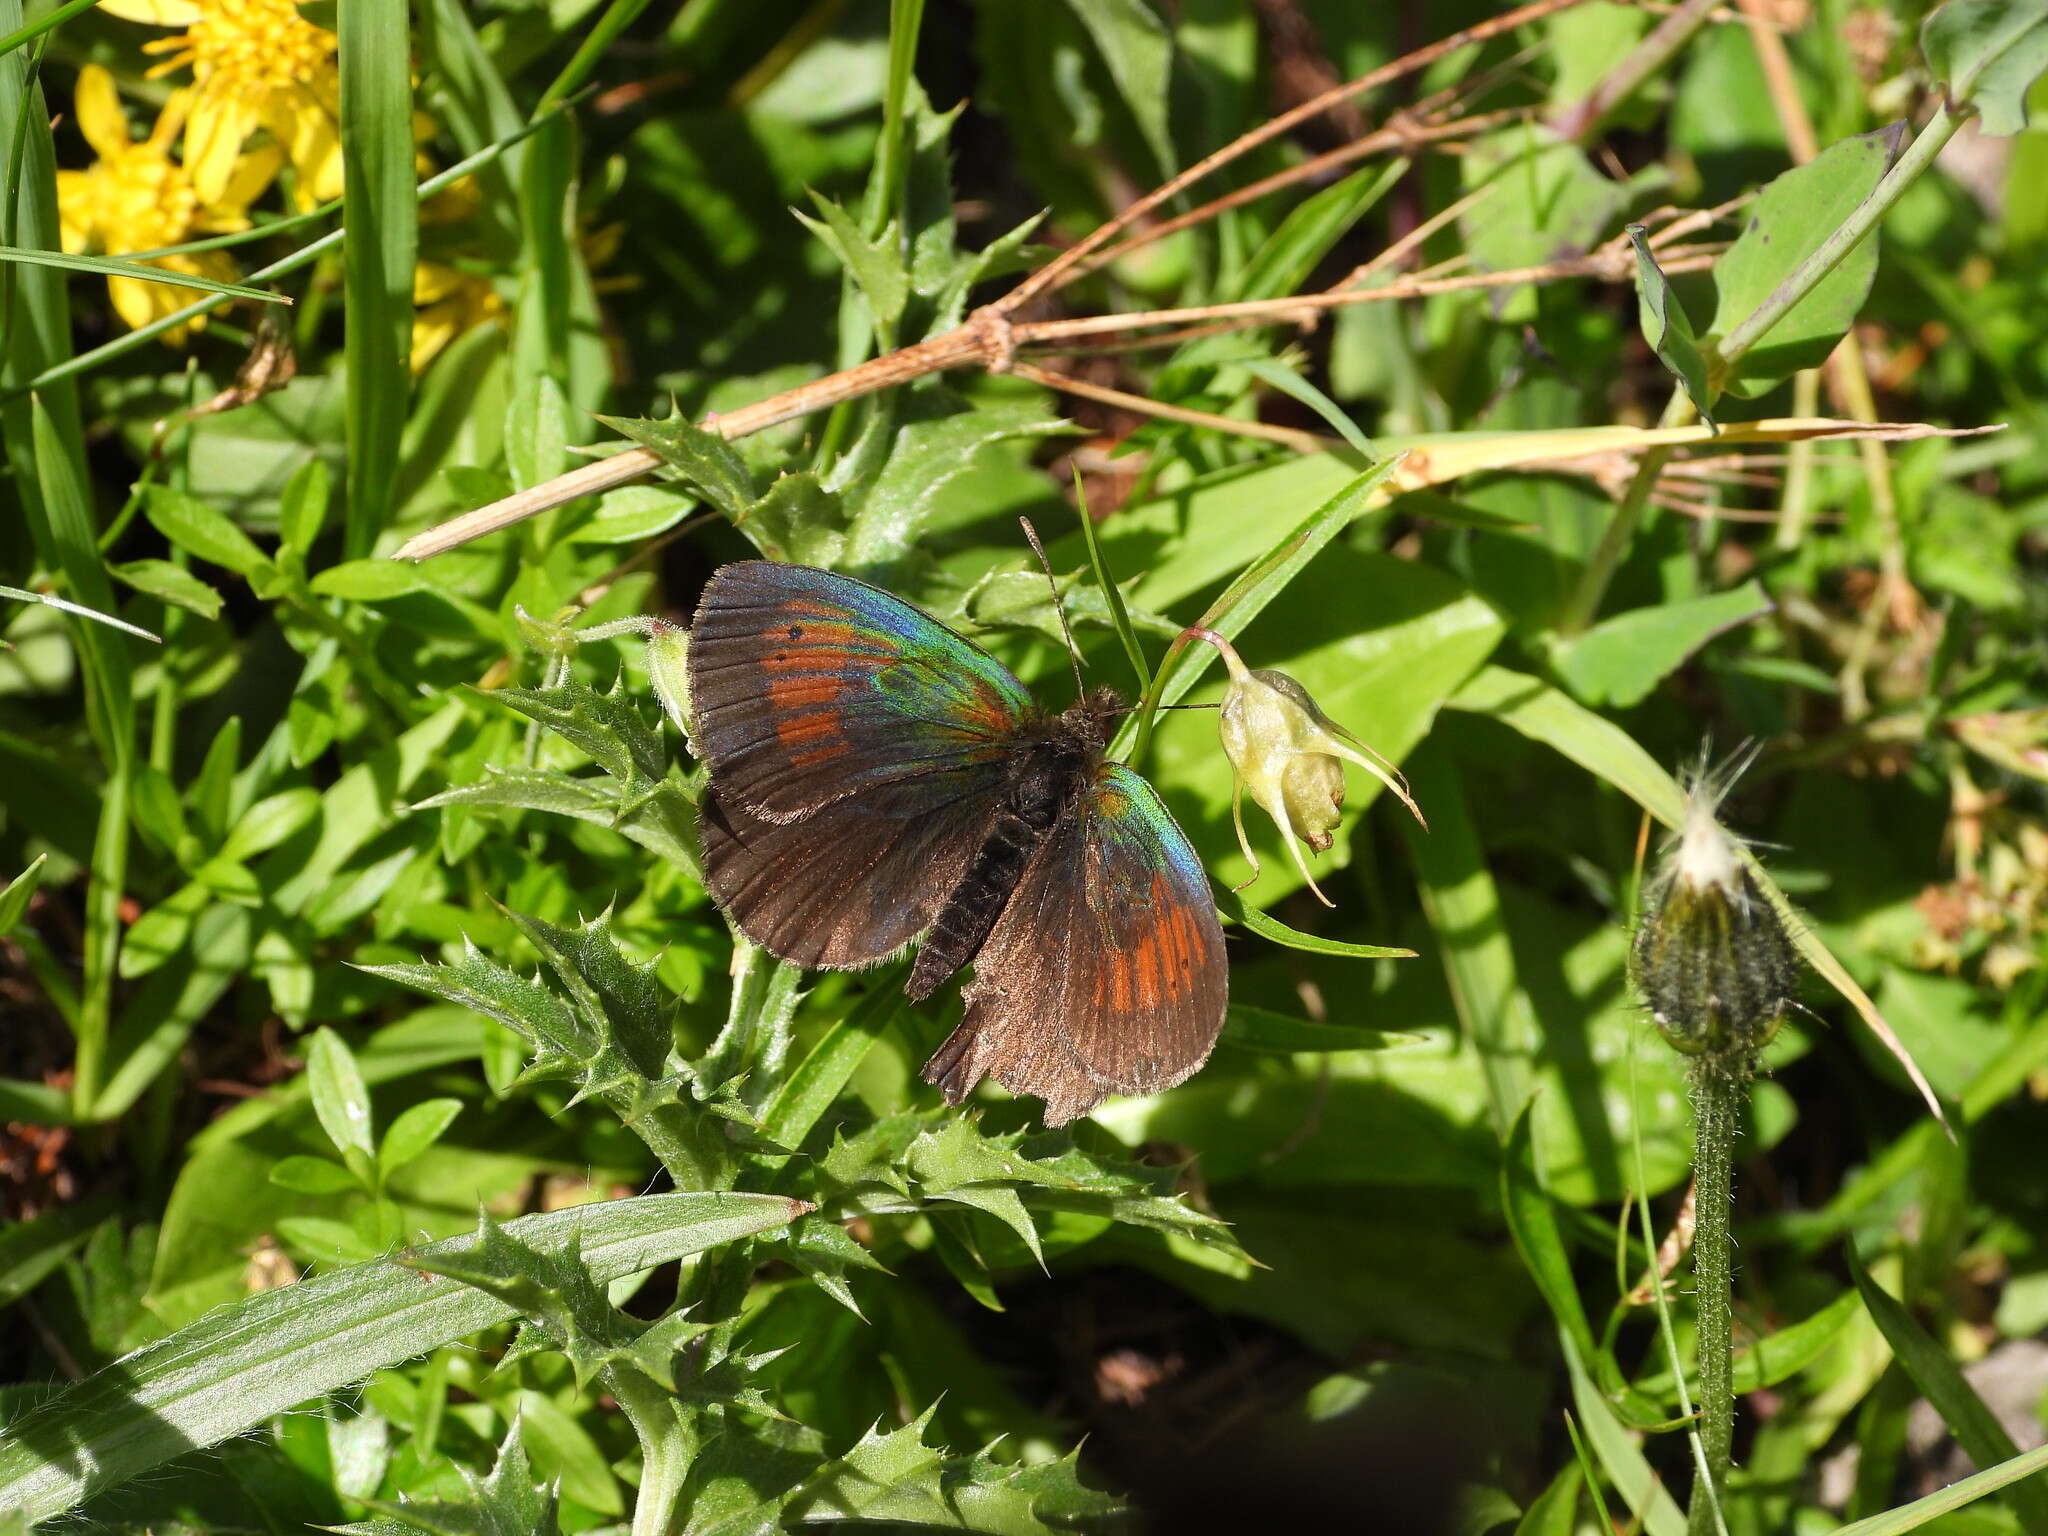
<point x="1719" y="1084"/>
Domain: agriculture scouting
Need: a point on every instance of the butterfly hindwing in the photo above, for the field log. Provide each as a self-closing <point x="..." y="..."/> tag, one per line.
<point x="1106" y="971"/>
<point x="808" y="687"/>
<point x="847" y="885"/>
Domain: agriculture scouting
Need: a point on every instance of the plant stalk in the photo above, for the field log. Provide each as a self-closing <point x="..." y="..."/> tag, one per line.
<point x="1718" y="1086"/>
<point x="1831" y="251"/>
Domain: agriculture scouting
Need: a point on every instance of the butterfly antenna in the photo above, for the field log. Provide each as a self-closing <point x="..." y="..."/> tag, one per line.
<point x="1052" y="581"/>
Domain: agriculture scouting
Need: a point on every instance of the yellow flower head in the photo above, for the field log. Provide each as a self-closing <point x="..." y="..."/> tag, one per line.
<point x="256" y="64"/>
<point x="447" y="302"/>
<point x="135" y="197"/>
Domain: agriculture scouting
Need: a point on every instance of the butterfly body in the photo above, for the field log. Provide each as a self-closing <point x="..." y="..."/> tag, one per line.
<point x="876" y="777"/>
<point x="1045" y="780"/>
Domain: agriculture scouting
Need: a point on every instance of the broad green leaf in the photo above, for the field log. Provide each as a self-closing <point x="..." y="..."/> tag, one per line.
<point x="30" y="1250"/>
<point x="1620" y="660"/>
<point x="630" y="515"/>
<point x="370" y="581"/>
<point x="168" y="583"/>
<point x="313" y="1176"/>
<point x="270" y="821"/>
<point x="414" y="1130"/>
<point x="233" y="1369"/>
<point x="1779" y="1356"/>
<point x="302" y="509"/>
<point x="341" y="1099"/>
<point x="200" y="530"/>
<point x="608" y="726"/>
<point x="1988" y="54"/>
<point x="1664" y="324"/>
<point x="1785" y="225"/>
<point x="663" y="823"/>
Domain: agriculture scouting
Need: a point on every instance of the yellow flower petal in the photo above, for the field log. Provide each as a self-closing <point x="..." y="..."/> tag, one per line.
<point x="213" y="139"/>
<point x="157" y="13"/>
<point x="100" y="117"/>
<point x="139" y="303"/>
<point x="253" y="173"/>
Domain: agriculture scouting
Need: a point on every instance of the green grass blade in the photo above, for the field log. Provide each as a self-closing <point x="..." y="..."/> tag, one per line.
<point x="112" y="267"/>
<point x="1910" y="1517"/>
<point x="79" y="610"/>
<point x="1976" y="1428"/>
<point x="1247" y="597"/>
<point x="237" y="1366"/>
<point x="43" y="24"/>
<point x="377" y="263"/>
<point x="1119" y="615"/>
<point x="809" y="1090"/>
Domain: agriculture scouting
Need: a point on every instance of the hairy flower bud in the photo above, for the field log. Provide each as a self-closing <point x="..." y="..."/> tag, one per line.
<point x="1285" y="752"/>
<point x="1712" y="957"/>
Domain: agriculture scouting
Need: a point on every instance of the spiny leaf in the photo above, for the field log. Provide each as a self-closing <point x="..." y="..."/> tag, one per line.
<point x="607" y="726"/>
<point x="689" y="453"/>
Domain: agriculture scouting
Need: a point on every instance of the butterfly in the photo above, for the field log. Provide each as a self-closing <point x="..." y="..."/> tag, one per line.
<point x="875" y="777"/>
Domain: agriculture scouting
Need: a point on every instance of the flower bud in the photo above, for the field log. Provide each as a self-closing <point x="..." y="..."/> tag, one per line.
<point x="1712" y="957"/>
<point x="1285" y="752"/>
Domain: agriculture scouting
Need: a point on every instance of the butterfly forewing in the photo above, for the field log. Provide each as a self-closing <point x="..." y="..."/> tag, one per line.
<point x="1106" y="972"/>
<point x="808" y="687"/>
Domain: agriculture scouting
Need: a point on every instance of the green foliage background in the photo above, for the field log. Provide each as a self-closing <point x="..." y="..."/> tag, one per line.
<point x="368" y="898"/>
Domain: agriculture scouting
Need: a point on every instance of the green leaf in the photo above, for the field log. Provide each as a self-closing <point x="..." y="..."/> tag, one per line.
<point x="608" y="726"/>
<point x="168" y="583"/>
<point x="1290" y="382"/>
<point x="1620" y="660"/>
<point x="141" y="272"/>
<point x="20" y="890"/>
<point x="1238" y="910"/>
<point x="662" y="823"/>
<point x="270" y="821"/>
<point x="31" y="1250"/>
<point x="699" y="458"/>
<point x="77" y="610"/>
<point x="1138" y="51"/>
<point x="371" y="581"/>
<point x="199" y="530"/>
<point x="313" y="1176"/>
<point x="302" y="508"/>
<point x="375" y="58"/>
<point x="1910" y="1517"/>
<point x="1666" y="328"/>
<point x="822" y="1075"/>
<point x="631" y="515"/>
<point x="414" y="1130"/>
<point x="798" y="520"/>
<point x="896" y="1478"/>
<point x="341" y="1099"/>
<point x="239" y="1365"/>
<point x="1976" y="1428"/>
<point x="875" y="264"/>
<point x="509" y="1502"/>
<point x="1787" y="224"/>
<point x="1988" y="54"/>
<point x="526" y="1006"/>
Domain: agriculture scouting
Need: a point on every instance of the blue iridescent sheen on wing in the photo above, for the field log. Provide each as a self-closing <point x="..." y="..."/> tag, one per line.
<point x="808" y="687"/>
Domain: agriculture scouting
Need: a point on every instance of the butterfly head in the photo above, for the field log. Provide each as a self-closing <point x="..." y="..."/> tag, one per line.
<point x="1090" y="715"/>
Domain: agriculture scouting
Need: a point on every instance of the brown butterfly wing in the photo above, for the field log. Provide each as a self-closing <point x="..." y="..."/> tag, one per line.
<point x="807" y="688"/>
<point x="1106" y="971"/>
<point x="845" y="886"/>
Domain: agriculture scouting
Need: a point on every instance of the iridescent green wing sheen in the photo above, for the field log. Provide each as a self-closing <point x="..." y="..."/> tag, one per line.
<point x="808" y="688"/>
<point x="1106" y="972"/>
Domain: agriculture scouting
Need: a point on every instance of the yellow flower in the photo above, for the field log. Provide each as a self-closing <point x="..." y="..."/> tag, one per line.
<point x="256" y="64"/>
<point x="447" y="302"/>
<point x="135" y="197"/>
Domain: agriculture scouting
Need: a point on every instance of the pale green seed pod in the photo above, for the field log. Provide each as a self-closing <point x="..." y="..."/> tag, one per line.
<point x="1289" y="757"/>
